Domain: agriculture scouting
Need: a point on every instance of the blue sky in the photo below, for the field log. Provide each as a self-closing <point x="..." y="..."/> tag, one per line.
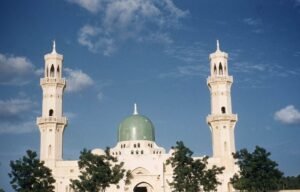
<point x="155" y="53"/>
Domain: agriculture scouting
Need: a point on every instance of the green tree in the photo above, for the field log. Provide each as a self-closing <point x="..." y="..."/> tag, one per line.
<point x="189" y="174"/>
<point x="97" y="172"/>
<point x="1" y="190"/>
<point x="291" y="182"/>
<point x="29" y="174"/>
<point x="257" y="171"/>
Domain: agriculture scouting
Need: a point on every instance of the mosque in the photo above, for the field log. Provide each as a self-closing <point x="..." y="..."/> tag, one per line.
<point x="136" y="145"/>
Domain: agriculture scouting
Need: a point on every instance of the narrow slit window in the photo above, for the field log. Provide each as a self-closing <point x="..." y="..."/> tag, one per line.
<point x="215" y="70"/>
<point x="52" y="71"/>
<point x="223" y="110"/>
<point x="51" y="112"/>
<point x="220" y="69"/>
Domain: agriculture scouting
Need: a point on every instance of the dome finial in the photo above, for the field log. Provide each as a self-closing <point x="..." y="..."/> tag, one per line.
<point x="54" y="47"/>
<point x="218" y="45"/>
<point x="135" y="111"/>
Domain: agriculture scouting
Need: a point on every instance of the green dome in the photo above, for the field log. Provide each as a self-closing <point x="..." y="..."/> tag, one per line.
<point x="136" y="127"/>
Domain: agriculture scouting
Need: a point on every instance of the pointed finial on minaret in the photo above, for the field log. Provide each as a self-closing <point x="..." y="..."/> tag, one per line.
<point x="218" y="45"/>
<point x="54" y="47"/>
<point x="135" y="111"/>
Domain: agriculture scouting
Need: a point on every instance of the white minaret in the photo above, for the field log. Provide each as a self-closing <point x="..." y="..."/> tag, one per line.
<point x="52" y="122"/>
<point x="221" y="120"/>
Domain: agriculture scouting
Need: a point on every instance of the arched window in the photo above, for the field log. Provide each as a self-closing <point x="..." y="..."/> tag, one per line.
<point x="52" y="71"/>
<point x="137" y="152"/>
<point x="134" y="145"/>
<point x="49" y="150"/>
<point x="51" y="112"/>
<point x="138" y="145"/>
<point x="220" y="69"/>
<point x="142" y="152"/>
<point x="47" y="72"/>
<point x="58" y="75"/>
<point x="215" y="70"/>
<point x="223" y="110"/>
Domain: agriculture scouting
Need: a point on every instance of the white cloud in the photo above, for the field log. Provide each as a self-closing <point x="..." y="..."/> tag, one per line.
<point x="288" y="115"/>
<point x="70" y="115"/>
<point x="14" y="107"/>
<point x="92" y="6"/>
<point x="15" y="70"/>
<point x="14" y="115"/>
<point x="256" y="24"/>
<point x="18" y="128"/>
<point x="194" y="57"/>
<point x="77" y="80"/>
<point x="136" y="20"/>
<point x="89" y="37"/>
<point x="251" y="21"/>
<point x="100" y="96"/>
<point x="39" y="72"/>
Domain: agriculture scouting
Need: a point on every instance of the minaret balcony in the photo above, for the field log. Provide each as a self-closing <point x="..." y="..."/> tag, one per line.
<point x="59" y="120"/>
<point x="215" y="79"/>
<point x="222" y="117"/>
<point x="61" y="81"/>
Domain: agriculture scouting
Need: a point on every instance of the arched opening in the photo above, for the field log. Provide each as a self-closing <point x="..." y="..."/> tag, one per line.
<point x="138" y="145"/>
<point x="140" y="189"/>
<point x="47" y="72"/>
<point x="52" y="71"/>
<point x="215" y="70"/>
<point x="51" y="112"/>
<point x="220" y="69"/>
<point x="58" y="75"/>
<point x="143" y="187"/>
<point x="223" y="110"/>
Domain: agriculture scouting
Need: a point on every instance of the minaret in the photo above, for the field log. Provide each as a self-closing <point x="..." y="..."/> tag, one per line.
<point x="52" y="122"/>
<point x="221" y="120"/>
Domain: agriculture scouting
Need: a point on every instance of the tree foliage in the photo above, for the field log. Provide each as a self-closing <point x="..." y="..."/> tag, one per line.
<point x="291" y="182"/>
<point x="98" y="172"/>
<point x="257" y="171"/>
<point x="190" y="175"/>
<point x="29" y="174"/>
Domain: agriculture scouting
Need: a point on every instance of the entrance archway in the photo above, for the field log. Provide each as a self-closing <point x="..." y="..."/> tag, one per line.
<point x="140" y="189"/>
<point x="143" y="187"/>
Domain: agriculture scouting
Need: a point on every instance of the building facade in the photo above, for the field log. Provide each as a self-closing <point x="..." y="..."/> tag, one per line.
<point x="136" y="145"/>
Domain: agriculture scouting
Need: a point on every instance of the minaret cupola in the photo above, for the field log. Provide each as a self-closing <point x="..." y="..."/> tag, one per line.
<point x="53" y="64"/>
<point x="218" y="62"/>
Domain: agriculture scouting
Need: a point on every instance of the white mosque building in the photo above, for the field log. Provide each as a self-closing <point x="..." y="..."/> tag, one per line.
<point x="136" y="145"/>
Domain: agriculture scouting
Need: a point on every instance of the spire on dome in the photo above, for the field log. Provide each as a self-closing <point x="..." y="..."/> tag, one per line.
<point x="135" y="111"/>
<point x="54" y="47"/>
<point x="218" y="45"/>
